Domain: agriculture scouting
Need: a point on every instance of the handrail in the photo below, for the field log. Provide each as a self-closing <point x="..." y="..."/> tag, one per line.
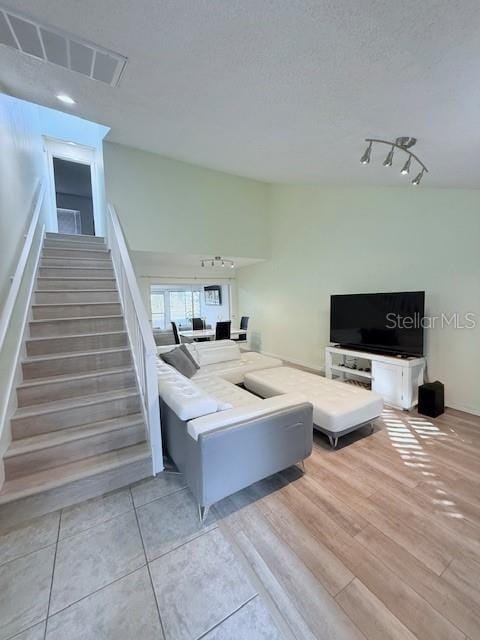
<point x="139" y="333"/>
<point x="17" y="305"/>
<point x="22" y="263"/>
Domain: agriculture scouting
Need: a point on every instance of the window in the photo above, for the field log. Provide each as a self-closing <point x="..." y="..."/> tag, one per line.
<point x="158" y="310"/>
<point x="184" y="305"/>
<point x="181" y="302"/>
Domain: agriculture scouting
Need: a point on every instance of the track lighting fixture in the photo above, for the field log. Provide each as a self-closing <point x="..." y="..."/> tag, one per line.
<point x="389" y="159"/>
<point x="403" y="143"/>
<point x="217" y="261"/>
<point x="365" y="159"/>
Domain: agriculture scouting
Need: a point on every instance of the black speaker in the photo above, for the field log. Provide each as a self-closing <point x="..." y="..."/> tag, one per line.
<point x="431" y="401"/>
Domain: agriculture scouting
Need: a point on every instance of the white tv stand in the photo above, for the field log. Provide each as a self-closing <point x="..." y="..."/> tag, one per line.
<point x="394" y="378"/>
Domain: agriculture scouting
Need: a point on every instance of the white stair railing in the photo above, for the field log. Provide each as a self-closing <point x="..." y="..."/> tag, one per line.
<point x="15" y="311"/>
<point x="140" y="334"/>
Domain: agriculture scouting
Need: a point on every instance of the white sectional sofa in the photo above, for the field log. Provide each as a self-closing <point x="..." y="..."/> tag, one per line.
<point x="222" y="437"/>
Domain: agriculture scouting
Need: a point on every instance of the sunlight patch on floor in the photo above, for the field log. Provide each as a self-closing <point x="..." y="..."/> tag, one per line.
<point x="408" y="437"/>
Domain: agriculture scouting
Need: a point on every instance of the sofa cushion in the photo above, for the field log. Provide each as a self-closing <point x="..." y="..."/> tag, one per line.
<point x="182" y="395"/>
<point x="182" y="362"/>
<point x="206" y="353"/>
<point x="238" y="415"/>
<point x="228" y="395"/>
<point x="336" y="406"/>
<point x="235" y="370"/>
<point x="186" y="351"/>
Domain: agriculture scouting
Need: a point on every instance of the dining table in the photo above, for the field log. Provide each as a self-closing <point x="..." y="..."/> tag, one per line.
<point x="194" y="334"/>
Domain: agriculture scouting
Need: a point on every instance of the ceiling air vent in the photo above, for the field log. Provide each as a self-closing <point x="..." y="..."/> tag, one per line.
<point x="63" y="49"/>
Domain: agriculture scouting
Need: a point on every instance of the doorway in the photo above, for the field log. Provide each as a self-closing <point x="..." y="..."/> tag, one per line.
<point x="73" y="195"/>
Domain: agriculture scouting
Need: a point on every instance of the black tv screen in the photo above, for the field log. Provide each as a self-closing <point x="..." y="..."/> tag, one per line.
<point x="381" y="322"/>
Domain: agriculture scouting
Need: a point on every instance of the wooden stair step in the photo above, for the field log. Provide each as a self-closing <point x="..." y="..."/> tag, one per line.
<point x="71" y="385"/>
<point x="65" y="296"/>
<point x="76" y="272"/>
<point x="61" y="363"/>
<point x="77" y="262"/>
<point x="55" y="327"/>
<point x="74" y="236"/>
<point x="76" y="252"/>
<point x="31" y="496"/>
<point x="76" y="283"/>
<point x="49" y="450"/>
<point x="58" y="310"/>
<point x="54" y="243"/>
<point x="61" y="405"/>
<point x="46" y="480"/>
<point x="74" y="412"/>
<point x="82" y="342"/>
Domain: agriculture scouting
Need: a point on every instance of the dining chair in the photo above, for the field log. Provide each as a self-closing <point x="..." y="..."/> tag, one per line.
<point x="222" y="330"/>
<point x="198" y="324"/>
<point x="175" y="333"/>
<point x="243" y="325"/>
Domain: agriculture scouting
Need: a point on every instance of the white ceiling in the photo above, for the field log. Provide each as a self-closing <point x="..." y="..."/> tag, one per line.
<point x="281" y="90"/>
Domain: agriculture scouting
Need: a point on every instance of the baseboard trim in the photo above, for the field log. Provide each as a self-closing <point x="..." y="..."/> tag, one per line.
<point x="474" y="411"/>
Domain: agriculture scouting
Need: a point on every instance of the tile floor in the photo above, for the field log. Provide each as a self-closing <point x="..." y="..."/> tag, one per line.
<point x="135" y="563"/>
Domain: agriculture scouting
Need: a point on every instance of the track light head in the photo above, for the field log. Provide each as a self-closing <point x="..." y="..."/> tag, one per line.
<point x="417" y="179"/>
<point x="203" y="263"/>
<point x="232" y="265"/>
<point x="389" y="159"/>
<point x="406" y="167"/>
<point x="365" y="159"/>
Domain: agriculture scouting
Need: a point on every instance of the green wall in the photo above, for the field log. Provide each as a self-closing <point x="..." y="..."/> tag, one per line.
<point x="170" y="206"/>
<point x="347" y="240"/>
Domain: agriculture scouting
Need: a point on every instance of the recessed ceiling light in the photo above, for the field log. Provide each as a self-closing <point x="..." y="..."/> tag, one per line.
<point x="65" y="99"/>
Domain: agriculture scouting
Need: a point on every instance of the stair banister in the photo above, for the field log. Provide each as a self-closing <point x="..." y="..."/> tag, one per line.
<point x="18" y="303"/>
<point x="139" y="332"/>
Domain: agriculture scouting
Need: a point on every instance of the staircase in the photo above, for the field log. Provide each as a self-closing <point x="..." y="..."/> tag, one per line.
<point x="78" y="430"/>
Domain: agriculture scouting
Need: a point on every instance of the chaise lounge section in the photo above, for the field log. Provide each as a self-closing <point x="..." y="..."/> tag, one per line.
<point x="338" y="408"/>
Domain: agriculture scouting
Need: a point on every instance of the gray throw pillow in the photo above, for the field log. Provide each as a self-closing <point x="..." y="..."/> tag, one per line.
<point x="185" y="350"/>
<point x="182" y="363"/>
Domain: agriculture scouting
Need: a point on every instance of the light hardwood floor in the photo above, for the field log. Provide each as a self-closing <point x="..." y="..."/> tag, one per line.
<point x="379" y="539"/>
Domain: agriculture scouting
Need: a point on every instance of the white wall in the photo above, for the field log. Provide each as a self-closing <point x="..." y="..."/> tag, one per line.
<point x="170" y="206"/>
<point x="355" y="240"/>
<point x="21" y="168"/>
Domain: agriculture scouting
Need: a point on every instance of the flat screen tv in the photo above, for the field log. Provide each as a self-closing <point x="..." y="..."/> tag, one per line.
<point x="380" y="322"/>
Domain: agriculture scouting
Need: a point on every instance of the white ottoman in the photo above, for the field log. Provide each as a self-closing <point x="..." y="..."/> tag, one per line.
<point x="338" y="408"/>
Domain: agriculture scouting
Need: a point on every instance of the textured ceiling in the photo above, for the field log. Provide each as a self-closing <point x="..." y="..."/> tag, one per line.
<point x="278" y="90"/>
